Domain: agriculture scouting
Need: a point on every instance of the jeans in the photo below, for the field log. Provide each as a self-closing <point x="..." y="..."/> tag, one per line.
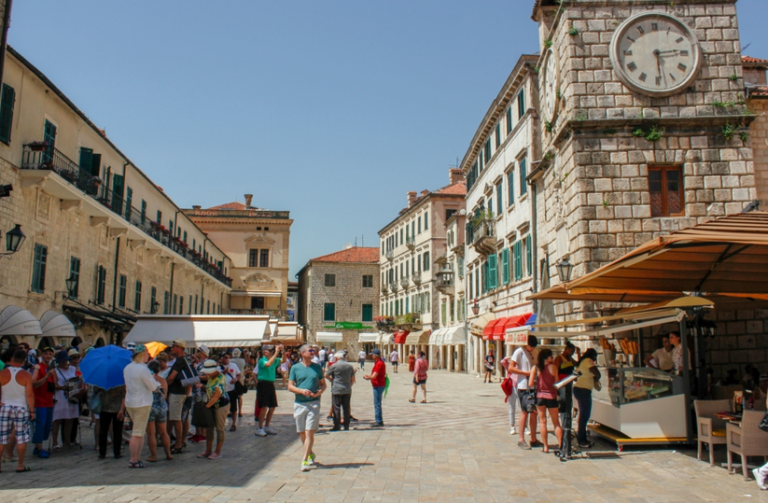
<point x="513" y="400"/>
<point x="105" y="419"/>
<point x="361" y="361"/>
<point x="583" y="397"/>
<point x="43" y="423"/>
<point x="341" y="402"/>
<point x="378" y="393"/>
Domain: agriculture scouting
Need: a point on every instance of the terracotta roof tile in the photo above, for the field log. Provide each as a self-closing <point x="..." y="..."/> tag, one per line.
<point x="456" y="189"/>
<point x="758" y="92"/>
<point x="234" y="205"/>
<point x="356" y="254"/>
<point x="754" y="61"/>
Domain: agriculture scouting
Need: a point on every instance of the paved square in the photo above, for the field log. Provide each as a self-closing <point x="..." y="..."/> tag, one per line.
<point x="455" y="448"/>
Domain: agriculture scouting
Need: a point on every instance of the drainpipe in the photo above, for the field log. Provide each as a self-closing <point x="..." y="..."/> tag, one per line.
<point x="170" y="297"/>
<point x="114" y="282"/>
<point x="534" y="244"/>
<point x="4" y="39"/>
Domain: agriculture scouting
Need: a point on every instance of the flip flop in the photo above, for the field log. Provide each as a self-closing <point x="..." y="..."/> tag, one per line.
<point x="203" y="455"/>
<point x="137" y="464"/>
<point x="25" y="469"/>
<point x="412" y="401"/>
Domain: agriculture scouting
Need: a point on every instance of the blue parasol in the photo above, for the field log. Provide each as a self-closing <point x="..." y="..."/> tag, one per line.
<point x="103" y="367"/>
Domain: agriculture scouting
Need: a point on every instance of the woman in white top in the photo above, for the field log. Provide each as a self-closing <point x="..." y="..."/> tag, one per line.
<point x="139" y="385"/>
<point x="64" y="410"/>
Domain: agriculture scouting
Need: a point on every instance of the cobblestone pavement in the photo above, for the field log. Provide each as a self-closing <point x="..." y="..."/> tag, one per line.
<point x="455" y="448"/>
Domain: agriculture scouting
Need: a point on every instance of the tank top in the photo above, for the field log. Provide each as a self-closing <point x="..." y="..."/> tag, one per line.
<point x="14" y="394"/>
<point x="566" y="368"/>
<point x="545" y="387"/>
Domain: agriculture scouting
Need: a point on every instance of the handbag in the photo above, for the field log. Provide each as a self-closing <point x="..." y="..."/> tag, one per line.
<point x="764" y="423"/>
<point x="202" y="416"/>
<point x="240" y="388"/>
<point x="95" y="402"/>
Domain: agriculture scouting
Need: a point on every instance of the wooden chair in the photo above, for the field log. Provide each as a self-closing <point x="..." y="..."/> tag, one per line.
<point x="746" y="440"/>
<point x="710" y="427"/>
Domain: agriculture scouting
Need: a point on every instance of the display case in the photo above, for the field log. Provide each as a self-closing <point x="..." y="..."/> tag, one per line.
<point x="640" y="402"/>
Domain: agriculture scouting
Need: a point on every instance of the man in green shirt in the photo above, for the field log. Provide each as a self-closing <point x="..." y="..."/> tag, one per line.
<point x="266" y="396"/>
<point x="306" y="381"/>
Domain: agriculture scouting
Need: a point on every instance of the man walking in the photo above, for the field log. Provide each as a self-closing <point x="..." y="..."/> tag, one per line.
<point x="18" y="406"/>
<point x="342" y="376"/>
<point x="41" y="377"/>
<point x="420" y="377"/>
<point x="322" y="355"/>
<point x="306" y="381"/>
<point x="178" y="394"/>
<point x="394" y="359"/>
<point x="521" y="364"/>
<point x="378" y="380"/>
<point x="266" y="396"/>
<point x="361" y="359"/>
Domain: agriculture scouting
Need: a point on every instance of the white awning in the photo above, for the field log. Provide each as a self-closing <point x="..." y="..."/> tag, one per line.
<point x="418" y="337"/>
<point x="286" y="330"/>
<point x="455" y="336"/>
<point x="17" y="321"/>
<point x="368" y="337"/>
<point x="55" y="324"/>
<point x="434" y="338"/>
<point x="274" y="332"/>
<point x="329" y="337"/>
<point x="241" y="293"/>
<point x="219" y="330"/>
<point x="384" y="338"/>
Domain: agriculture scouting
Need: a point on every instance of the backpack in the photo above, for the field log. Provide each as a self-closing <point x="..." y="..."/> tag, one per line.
<point x="507" y="386"/>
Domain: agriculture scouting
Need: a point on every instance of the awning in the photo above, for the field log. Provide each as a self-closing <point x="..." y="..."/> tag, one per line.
<point x="418" y="337"/>
<point x="241" y="293"/>
<point x="329" y="337"/>
<point x="436" y="336"/>
<point x="55" y="324"/>
<point x="17" y="321"/>
<point x="454" y="336"/>
<point x="220" y="330"/>
<point x="273" y="328"/>
<point x="385" y="338"/>
<point x="400" y="336"/>
<point x="477" y="325"/>
<point x="368" y="337"/>
<point x="488" y="330"/>
<point x="501" y="328"/>
<point x="287" y="334"/>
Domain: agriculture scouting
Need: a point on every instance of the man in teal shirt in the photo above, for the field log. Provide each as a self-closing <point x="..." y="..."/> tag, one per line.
<point x="266" y="396"/>
<point x="306" y="381"/>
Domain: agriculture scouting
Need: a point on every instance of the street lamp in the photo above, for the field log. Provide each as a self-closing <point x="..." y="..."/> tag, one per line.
<point x="13" y="240"/>
<point x="155" y="307"/>
<point x="475" y="308"/>
<point x="564" y="270"/>
<point x="71" y="284"/>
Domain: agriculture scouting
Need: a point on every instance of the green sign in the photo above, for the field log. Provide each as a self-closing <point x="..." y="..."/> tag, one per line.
<point x="348" y="325"/>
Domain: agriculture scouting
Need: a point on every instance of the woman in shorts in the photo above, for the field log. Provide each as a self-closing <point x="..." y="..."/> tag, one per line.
<point x="158" y="414"/>
<point x="543" y="376"/>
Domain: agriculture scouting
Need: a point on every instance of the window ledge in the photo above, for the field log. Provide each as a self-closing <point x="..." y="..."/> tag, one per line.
<point x="511" y="208"/>
<point x="523" y="197"/>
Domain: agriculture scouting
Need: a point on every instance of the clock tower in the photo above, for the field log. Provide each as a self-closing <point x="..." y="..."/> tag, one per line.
<point x="643" y="125"/>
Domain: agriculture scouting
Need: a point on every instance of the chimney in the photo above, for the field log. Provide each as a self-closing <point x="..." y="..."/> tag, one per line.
<point x="424" y="193"/>
<point x="196" y="207"/>
<point x="411" y="198"/>
<point x="248" y="200"/>
<point x="455" y="175"/>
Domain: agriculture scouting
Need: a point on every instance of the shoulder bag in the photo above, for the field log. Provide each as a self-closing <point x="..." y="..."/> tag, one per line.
<point x="202" y="416"/>
<point x="764" y="423"/>
<point x="528" y="398"/>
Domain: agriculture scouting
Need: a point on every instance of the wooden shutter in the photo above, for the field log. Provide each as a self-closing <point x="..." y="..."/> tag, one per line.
<point x="505" y="266"/>
<point x="511" y="187"/>
<point x="117" y="191"/>
<point x="493" y="273"/>
<point x="529" y="256"/>
<point x="499" y="198"/>
<point x="509" y="119"/>
<point x="517" y="259"/>
<point x="6" y="113"/>
<point x="86" y="158"/>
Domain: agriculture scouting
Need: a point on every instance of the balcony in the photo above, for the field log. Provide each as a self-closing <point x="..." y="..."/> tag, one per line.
<point x="404" y="283"/>
<point x="384" y="288"/>
<point x="484" y="237"/>
<point x="410" y="242"/>
<point x="409" y="319"/>
<point x="37" y="165"/>
<point x="416" y="278"/>
<point x="445" y="281"/>
<point x="393" y="286"/>
<point x="390" y="254"/>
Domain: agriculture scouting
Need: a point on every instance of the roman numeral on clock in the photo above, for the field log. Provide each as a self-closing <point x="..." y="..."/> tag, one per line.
<point x="658" y="81"/>
<point x="631" y="66"/>
<point x="654" y="26"/>
<point x="627" y="52"/>
<point x="643" y="76"/>
<point x="672" y="77"/>
<point x="684" y="53"/>
<point x="641" y="30"/>
<point x="682" y="67"/>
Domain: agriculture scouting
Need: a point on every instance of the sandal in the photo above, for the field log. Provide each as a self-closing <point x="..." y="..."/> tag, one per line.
<point x="137" y="464"/>
<point x="25" y="469"/>
<point x="204" y="455"/>
<point x="174" y="450"/>
<point x="233" y="428"/>
<point x="423" y="401"/>
<point x="9" y="460"/>
<point x="412" y="401"/>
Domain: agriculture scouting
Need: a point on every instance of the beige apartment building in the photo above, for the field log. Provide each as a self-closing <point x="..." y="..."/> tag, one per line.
<point x="257" y="241"/>
<point x="103" y="242"/>
<point x="410" y="245"/>
<point x="338" y="299"/>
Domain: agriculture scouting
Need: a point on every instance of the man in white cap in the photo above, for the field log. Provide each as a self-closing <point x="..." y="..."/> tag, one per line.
<point x="178" y="393"/>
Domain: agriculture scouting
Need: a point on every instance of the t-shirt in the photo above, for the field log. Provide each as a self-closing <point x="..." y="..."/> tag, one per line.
<point x="139" y="385"/>
<point x="394" y="357"/>
<point x="183" y="371"/>
<point x="43" y="397"/>
<point x="420" y="369"/>
<point x="266" y="373"/>
<point x="361" y="355"/>
<point x="304" y="377"/>
<point x="381" y="378"/>
<point x="586" y="380"/>
<point x="524" y="362"/>
<point x="489" y="361"/>
<point x="341" y="373"/>
<point x="232" y="370"/>
<point x="321" y="355"/>
<point x="663" y="359"/>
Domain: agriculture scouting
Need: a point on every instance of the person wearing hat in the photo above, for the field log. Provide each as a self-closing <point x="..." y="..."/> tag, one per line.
<point x="218" y="401"/>
<point x="378" y="378"/>
<point x="139" y="386"/>
<point x="179" y="398"/>
<point x="65" y="411"/>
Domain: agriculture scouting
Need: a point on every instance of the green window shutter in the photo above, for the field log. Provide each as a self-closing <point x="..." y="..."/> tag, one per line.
<point x="490" y="206"/>
<point x="407" y="305"/>
<point x="329" y="313"/>
<point x="426" y="220"/>
<point x="129" y="203"/>
<point x="7" y="101"/>
<point x="505" y="266"/>
<point x="38" y="268"/>
<point x="442" y="309"/>
<point x="528" y="256"/>
<point x="509" y="119"/>
<point x="367" y="312"/>
<point x="498" y="134"/>
<point x="137" y="298"/>
<point x="511" y="187"/>
<point x="485" y="276"/>
<point x="117" y="193"/>
<point x="521" y="103"/>
<point x="499" y="198"/>
<point x="519" y="260"/>
<point x="492" y="272"/>
<point x="86" y="158"/>
<point x="523" y="175"/>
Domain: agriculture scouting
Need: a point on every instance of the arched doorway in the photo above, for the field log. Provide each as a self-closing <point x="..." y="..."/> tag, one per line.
<point x="7" y="341"/>
<point x="45" y="342"/>
<point x="99" y="342"/>
<point x="76" y="341"/>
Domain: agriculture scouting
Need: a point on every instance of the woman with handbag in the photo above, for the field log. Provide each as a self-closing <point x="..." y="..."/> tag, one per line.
<point x="66" y="407"/>
<point x="543" y="377"/>
<point x="218" y="405"/>
<point x="588" y="380"/>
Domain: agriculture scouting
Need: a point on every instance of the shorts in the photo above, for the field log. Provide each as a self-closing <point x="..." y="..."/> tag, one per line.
<point x="417" y="382"/>
<point x="139" y="417"/>
<point x="16" y="419"/>
<point x="186" y="409"/>
<point x="307" y="415"/>
<point x="175" y="406"/>
<point x="159" y="410"/>
<point x="266" y="396"/>
<point x="394" y="364"/>
<point x="549" y="403"/>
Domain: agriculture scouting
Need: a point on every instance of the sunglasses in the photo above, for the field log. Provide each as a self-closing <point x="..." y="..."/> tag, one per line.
<point x="310" y="351"/>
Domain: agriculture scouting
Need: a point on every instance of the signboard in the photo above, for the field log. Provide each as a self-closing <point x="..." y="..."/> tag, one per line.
<point x="349" y="325"/>
<point x="519" y="338"/>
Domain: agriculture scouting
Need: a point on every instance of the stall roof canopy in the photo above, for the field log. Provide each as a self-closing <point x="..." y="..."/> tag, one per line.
<point x="418" y="337"/>
<point x="329" y="336"/>
<point x="17" y="321"/>
<point x="368" y="337"/>
<point x="725" y="259"/>
<point x="56" y="324"/>
<point x="212" y="330"/>
<point x="454" y="336"/>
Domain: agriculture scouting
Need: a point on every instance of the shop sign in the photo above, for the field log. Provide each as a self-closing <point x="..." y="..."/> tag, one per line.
<point x="519" y="338"/>
<point x="348" y="325"/>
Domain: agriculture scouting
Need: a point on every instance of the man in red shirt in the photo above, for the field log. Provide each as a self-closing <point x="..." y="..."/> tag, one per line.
<point x="378" y="378"/>
<point x="41" y="376"/>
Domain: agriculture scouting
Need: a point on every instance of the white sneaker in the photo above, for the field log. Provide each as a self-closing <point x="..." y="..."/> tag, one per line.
<point x="513" y="431"/>
<point x="261" y="433"/>
<point x="759" y="479"/>
<point x="305" y="466"/>
<point x="311" y="460"/>
<point x="269" y="431"/>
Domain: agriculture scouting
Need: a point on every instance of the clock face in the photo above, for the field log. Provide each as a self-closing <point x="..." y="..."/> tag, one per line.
<point x="551" y="85"/>
<point x="655" y="54"/>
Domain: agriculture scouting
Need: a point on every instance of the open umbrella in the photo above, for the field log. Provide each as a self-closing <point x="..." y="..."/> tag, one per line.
<point x="103" y="367"/>
<point x="154" y="348"/>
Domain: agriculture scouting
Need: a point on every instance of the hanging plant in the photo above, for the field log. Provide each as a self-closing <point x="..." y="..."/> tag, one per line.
<point x="655" y="134"/>
<point x="728" y="131"/>
<point x="548" y="126"/>
<point x="744" y="136"/>
<point x="638" y="132"/>
<point x="548" y="43"/>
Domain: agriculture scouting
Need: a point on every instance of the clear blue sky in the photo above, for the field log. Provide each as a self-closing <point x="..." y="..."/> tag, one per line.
<point x="332" y="110"/>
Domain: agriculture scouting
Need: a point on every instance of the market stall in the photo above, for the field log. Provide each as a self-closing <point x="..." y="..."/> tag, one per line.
<point x="221" y="330"/>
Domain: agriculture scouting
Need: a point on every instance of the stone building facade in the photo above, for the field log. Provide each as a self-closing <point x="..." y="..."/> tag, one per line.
<point x="257" y="241"/>
<point x="339" y="294"/>
<point x="100" y="221"/>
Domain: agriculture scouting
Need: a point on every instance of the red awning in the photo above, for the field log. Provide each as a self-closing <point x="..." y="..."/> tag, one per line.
<point x="400" y="336"/>
<point x="488" y="330"/>
<point x="515" y="321"/>
<point x="499" y="329"/>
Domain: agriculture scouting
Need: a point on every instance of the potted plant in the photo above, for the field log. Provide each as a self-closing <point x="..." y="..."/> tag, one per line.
<point x="37" y="146"/>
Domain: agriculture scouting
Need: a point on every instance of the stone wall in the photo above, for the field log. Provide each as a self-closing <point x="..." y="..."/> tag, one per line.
<point x="758" y="132"/>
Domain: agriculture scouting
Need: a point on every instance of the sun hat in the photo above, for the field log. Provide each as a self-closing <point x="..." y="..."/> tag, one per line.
<point x="129" y="346"/>
<point x="32" y="352"/>
<point x="210" y="366"/>
<point x="204" y="349"/>
<point x="179" y="342"/>
<point x="236" y="353"/>
<point x="73" y="353"/>
<point x="140" y="348"/>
